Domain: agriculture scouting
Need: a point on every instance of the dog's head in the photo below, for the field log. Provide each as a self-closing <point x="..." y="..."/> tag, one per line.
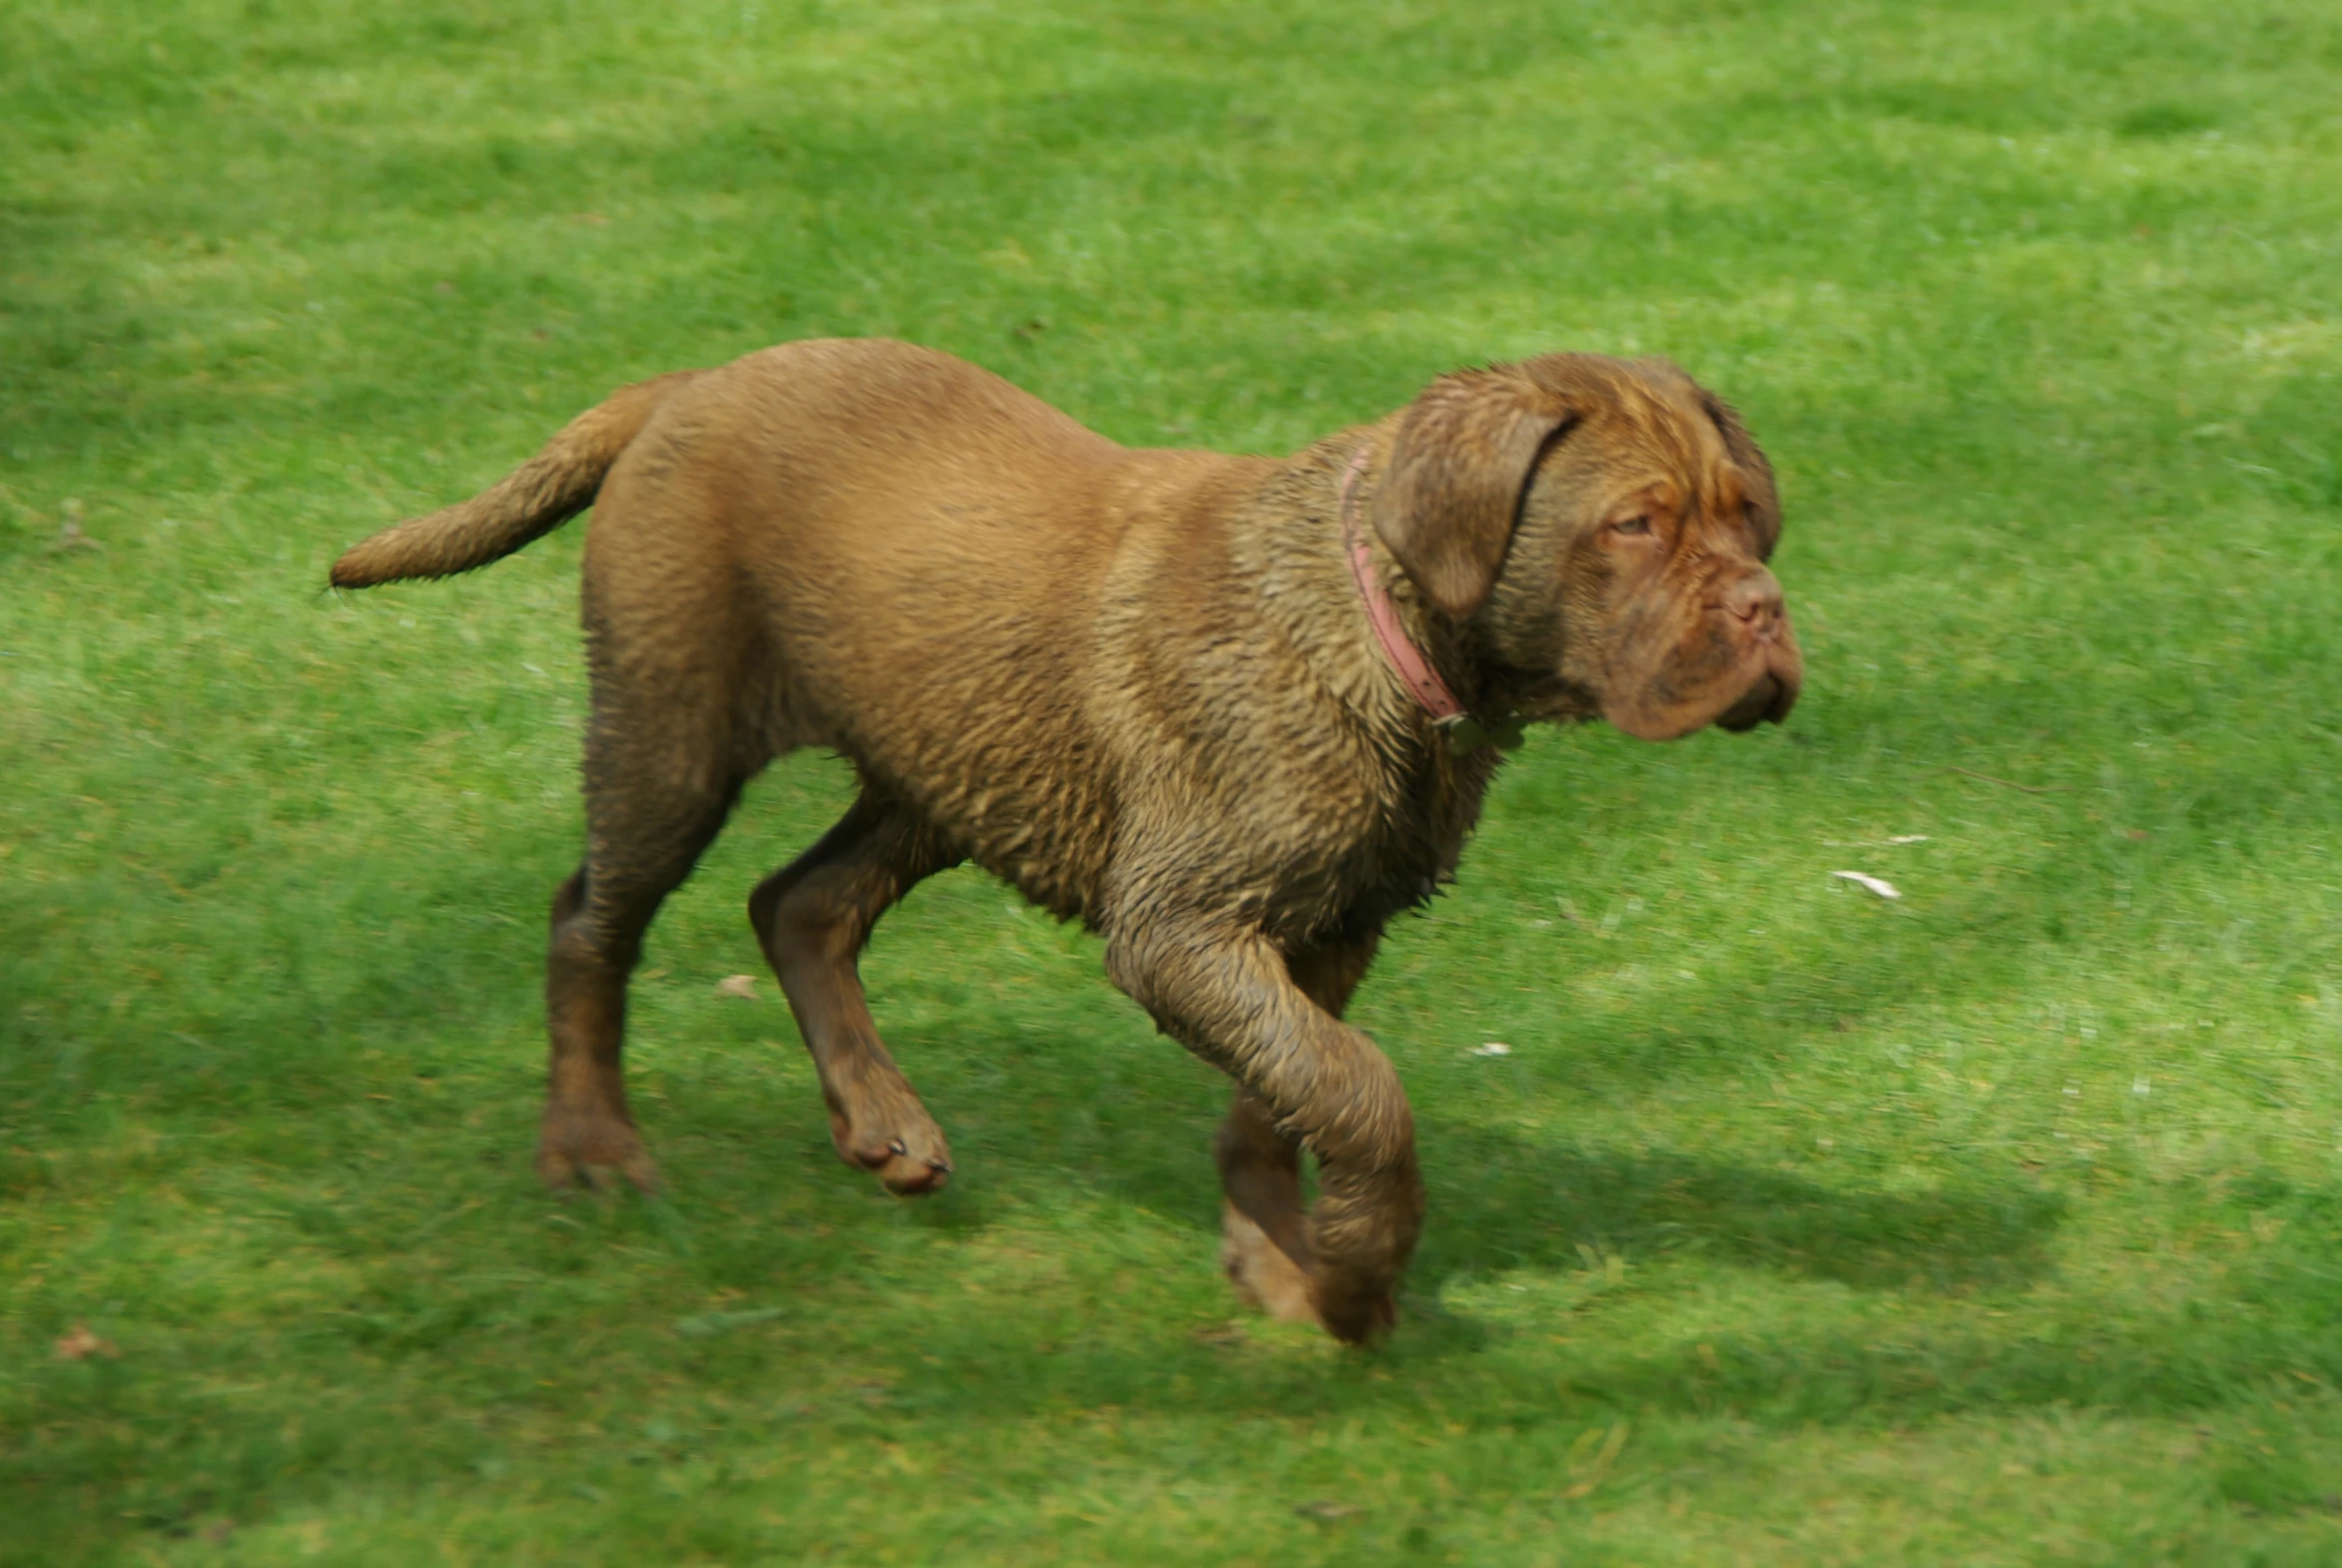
<point x="1602" y="525"/>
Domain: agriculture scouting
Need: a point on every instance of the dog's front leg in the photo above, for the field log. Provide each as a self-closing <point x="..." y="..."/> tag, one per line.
<point x="1265" y="1246"/>
<point x="1228" y="995"/>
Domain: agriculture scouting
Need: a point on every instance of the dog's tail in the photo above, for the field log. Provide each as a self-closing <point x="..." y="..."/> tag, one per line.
<point x="534" y="500"/>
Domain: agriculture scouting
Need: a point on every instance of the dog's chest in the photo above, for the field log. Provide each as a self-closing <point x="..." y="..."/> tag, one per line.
<point x="1394" y="856"/>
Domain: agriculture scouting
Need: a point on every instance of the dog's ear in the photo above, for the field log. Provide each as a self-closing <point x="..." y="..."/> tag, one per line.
<point x="1447" y="501"/>
<point x="1764" y="498"/>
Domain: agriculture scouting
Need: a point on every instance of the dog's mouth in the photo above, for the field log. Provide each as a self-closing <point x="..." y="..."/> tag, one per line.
<point x="1656" y="713"/>
<point x="1767" y="702"/>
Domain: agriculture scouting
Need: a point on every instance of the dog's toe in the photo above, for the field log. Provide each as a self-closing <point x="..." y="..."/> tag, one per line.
<point x="911" y="1162"/>
<point x="1356" y="1314"/>
<point x="596" y="1153"/>
<point x="907" y="1177"/>
<point x="1260" y="1271"/>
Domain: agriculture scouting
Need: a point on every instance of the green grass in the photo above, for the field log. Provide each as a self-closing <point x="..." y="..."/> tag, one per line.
<point x="2000" y="1225"/>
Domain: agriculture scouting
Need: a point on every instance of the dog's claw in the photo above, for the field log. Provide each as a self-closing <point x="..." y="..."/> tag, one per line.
<point x="909" y="1164"/>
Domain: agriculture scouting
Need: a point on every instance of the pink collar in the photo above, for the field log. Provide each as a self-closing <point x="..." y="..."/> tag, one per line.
<point x="1413" y="668"/>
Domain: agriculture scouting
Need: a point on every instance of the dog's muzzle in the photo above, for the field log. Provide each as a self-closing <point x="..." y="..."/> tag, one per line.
<point x="1768" y="701"/>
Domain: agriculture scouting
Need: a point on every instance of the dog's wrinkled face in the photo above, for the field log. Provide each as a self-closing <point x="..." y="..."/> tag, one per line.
<point x="1603" y="524"/>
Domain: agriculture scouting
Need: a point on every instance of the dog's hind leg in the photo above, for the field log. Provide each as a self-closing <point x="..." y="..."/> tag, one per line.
<point x="813" y="918"/>
<point x="1265" y="1246"/>
<point x="657" y="788"/>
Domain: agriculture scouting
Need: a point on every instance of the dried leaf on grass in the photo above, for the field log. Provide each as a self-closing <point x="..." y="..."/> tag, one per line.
<point x="741" y="986"/>
<point x="1878" y="885"/>
<point x="709" y="1325"/>
<point x="1600" y="1470"/>
<point x="79" y="1345"/>
<point x="1326" y="1511"/>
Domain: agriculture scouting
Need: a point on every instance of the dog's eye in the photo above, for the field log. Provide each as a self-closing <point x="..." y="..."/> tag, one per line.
<point x="1631" y="525"/>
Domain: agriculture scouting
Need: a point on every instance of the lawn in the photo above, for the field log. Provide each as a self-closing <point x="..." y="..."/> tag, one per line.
<point x="1997" y="1223"/>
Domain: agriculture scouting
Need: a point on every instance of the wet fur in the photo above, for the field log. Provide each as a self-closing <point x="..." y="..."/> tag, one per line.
<point x="1137" y="685"/>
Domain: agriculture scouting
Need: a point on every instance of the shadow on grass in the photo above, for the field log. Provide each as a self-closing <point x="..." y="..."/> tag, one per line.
<point x="1511" y="1204"/>
<point x="1134" y="1128"/>
<point x="1497" y="1203"/>
<point x="2135" y="1356"/>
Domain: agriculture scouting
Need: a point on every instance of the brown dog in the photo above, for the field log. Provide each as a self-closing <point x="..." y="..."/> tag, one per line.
<point x="1207" y="704"/>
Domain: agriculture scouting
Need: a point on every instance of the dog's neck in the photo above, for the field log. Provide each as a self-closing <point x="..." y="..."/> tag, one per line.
<point x="1412" y="666"/>
<point x="1413" y="654"/>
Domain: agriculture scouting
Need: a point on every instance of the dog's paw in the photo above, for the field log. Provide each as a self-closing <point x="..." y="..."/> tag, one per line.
<point x="576" y="1150"/>
<point x="1260" y="1271"/>
<point x="907" y="1151"/>
<point x="1355" y="1307"/>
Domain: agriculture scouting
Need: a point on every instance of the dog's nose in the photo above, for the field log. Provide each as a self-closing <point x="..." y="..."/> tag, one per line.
<point x="1755" y="601"/>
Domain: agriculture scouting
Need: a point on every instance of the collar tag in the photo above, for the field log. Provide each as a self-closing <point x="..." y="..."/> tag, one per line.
<point x="1466" y="734"/>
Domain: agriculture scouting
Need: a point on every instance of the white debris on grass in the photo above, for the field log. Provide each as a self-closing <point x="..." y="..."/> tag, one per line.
<point x="1494" y="1048"/>
<point x="1878" y="885"/>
